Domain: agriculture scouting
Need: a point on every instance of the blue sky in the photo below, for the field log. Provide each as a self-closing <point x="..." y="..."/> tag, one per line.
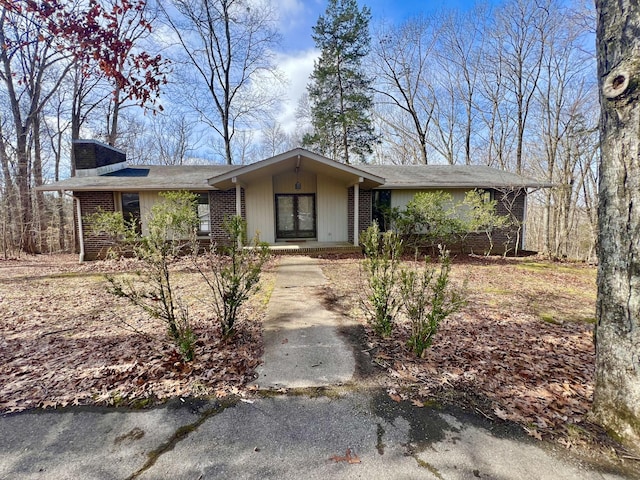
<point x="298" y="52"/>
<point x="298" y="16"/>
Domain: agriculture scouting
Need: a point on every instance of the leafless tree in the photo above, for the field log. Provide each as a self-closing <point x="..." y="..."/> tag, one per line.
<point x="227" y="46"/>
<point x="459" y="49"/>
<point x="274" y="139"/>
<point x="401" y="56"/>
<point x="29" y="62"/>
<point x="523" y="25"/>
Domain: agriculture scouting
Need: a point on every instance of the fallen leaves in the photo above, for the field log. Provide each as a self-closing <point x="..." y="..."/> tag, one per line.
<point x="349" y="457"/>
<point x="63" y="341"/>
<point x="499" y="349"/>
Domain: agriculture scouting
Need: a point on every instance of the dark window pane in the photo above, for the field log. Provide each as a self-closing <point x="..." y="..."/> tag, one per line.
<point x="381" y="208"/>
<point x="131" y="209"/>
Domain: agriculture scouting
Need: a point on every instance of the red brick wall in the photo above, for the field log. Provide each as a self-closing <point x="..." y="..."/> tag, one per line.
<point x="365" y="199"/>
<point x="222" y="204"/>
<point x="95" y="246"/>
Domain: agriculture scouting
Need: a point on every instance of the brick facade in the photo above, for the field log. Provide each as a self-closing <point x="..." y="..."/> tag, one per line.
<point x="222" y="205"/>
<point x="365" y="212"/>
<point x="510" y="203"/>
<point x="95" y="246"/>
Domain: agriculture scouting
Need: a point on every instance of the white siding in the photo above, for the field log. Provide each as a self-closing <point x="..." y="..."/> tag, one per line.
<point x="260" y="210"/>
<point x="331" y="210"/>
<point x="286" y="182"/>
<point x="147" y="200"/>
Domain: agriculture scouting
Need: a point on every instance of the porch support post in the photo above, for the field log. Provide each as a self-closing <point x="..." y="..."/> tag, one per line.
<point x="238" y="196"/>
<point x="356" y="211"/>
<point x="238" y="203"/>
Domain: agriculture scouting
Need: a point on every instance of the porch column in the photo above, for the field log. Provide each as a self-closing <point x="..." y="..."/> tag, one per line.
<point x="238" y="196"/>
<point x="356" y="211"/>
<point x="238" y="203"/>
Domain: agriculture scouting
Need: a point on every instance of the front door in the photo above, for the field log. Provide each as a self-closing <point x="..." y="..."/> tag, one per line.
<point x="296" y="216"/>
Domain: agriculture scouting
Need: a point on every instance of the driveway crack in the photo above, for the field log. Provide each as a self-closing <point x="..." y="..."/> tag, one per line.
<point x="179" y="435"/>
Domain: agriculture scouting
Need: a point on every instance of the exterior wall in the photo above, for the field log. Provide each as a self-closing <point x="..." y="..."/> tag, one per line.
<point x="400" y="198"/>
<point x="260" y="210"/>
<point x="332" y="211"/>
<point x="510" y="203"/>
<point x="95" y="246"/>
<point x="147" y="200"/>
<point x="222" y="204"/>
<point x="364" y="214"/>
<point x="286" y="182"/>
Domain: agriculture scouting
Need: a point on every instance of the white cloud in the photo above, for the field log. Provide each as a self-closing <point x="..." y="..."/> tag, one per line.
<point x="296" y="67"/>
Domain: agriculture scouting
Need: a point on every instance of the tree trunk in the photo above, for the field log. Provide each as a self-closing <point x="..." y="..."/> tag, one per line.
<point x="617" y="393"/>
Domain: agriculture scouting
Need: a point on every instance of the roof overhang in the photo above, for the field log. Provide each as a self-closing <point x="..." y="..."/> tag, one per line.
<point x="300" y="159"/>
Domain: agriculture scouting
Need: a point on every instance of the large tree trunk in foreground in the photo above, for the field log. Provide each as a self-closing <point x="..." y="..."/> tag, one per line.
<point x="617" y="395"/>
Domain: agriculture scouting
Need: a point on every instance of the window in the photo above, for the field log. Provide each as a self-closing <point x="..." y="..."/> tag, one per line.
<point x="131" y="209"/>
<point x="487" y="195"/>
<point x="381" y="208"/>
<point x="204" y="213"/>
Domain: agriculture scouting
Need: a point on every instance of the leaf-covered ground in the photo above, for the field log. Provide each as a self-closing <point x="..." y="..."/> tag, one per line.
<point x="64" y="340"/>
<point x="522" y="348"/>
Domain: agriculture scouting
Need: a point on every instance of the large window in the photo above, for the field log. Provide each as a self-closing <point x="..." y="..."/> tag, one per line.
<point x="204" y="213"/>
<point x="381" y="208"/>
<point x="131" y="209"/>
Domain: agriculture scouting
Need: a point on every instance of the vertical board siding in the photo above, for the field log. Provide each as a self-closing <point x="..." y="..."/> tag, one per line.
<point x="286" y="182"/>
<point x="332" y="210"/>
<point x="400" y="198"/>
<point x="259" y="200"/>
<point x="147" y="200"/>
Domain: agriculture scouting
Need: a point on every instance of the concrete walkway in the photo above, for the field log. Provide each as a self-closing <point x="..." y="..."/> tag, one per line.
<point x="302" y="347"/>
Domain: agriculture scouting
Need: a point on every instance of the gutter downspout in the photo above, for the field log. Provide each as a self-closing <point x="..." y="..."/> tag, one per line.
<point x="80" y="227"/>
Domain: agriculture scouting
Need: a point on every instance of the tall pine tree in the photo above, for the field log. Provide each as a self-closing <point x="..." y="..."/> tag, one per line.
<point x="339" y="91"/>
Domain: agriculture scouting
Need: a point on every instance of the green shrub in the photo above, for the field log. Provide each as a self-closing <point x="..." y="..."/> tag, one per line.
<point x="482" y="215"/>
<point x="382" y="256"/>
<point x="431" y="218"/>
<point x="428" y="299"/>
<point x="171" y="223"/>
<point x="234" y="275"/>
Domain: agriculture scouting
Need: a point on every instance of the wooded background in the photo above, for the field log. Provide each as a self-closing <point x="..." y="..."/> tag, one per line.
<point x="512" y="86"/>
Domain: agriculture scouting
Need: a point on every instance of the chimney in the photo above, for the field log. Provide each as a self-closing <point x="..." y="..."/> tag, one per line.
<point x="96" y="158"/>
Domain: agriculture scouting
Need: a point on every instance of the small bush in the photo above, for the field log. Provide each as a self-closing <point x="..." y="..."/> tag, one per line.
<point x="382" y="257"/>
<point x="234" y="275"/>
<point x="483" y="215"/>
<point x="171" y="222"/>
<point x="431" y="218"/>
<point x="428" y="299"/>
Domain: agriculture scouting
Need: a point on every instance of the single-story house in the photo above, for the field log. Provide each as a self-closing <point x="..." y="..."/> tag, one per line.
<point x="297" y="196"/>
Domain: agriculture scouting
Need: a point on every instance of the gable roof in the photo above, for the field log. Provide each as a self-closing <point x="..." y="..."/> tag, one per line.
<point x="224" y="177"/>
<point x="298" y="157"/>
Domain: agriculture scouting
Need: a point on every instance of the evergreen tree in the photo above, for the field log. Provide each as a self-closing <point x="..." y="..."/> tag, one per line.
<point x="339" y="92"/>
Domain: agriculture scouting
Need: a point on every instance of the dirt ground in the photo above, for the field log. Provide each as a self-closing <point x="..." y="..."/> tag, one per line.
<point x="521" y="349"/>
<point x="64" y="340"/>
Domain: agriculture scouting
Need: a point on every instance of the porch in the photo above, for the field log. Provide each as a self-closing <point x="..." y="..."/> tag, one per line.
<point x="302" y="247"/>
